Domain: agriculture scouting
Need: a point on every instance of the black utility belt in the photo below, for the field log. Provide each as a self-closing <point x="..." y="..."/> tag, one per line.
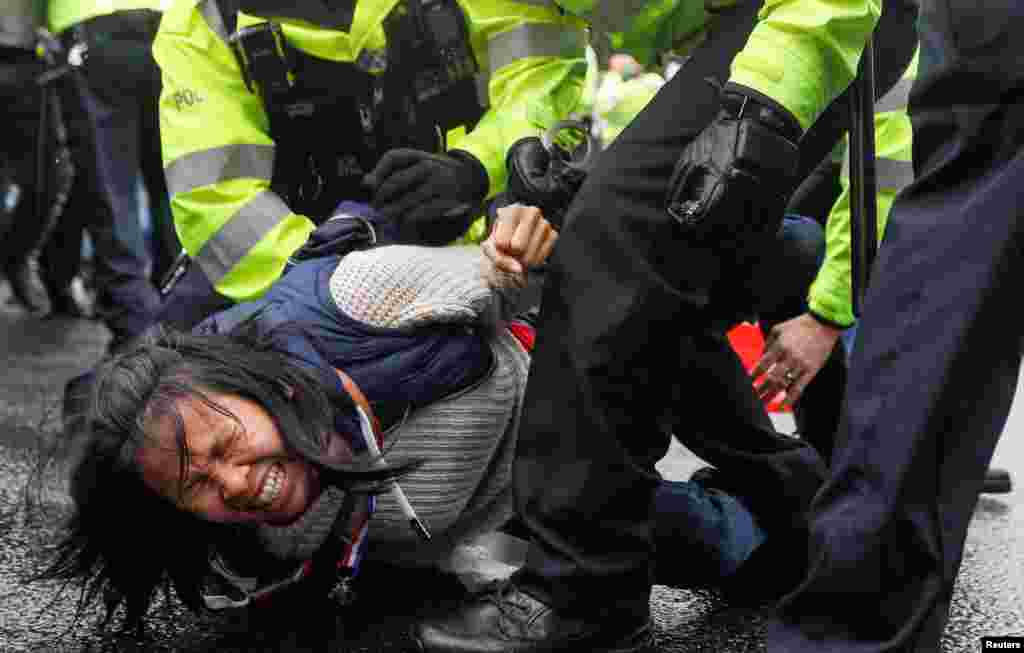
<point x="125" y="25"/>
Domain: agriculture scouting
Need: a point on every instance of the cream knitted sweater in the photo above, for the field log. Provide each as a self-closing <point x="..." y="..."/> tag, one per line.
<point x="467" y="439"/>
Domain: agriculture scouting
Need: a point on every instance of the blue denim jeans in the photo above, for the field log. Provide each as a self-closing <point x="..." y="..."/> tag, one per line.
<point x="701" y="535"/>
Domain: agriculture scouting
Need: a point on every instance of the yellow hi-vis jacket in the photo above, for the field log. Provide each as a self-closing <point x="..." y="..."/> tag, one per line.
<point x="830" y="296"/>
<point x="802" y="53"/>
<point x="620" y="100"/>
<point x="62" y="14"/>
<point x="217" y="149"/>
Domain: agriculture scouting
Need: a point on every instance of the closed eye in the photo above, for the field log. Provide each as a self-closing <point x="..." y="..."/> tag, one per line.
<point x="223" y="446"/>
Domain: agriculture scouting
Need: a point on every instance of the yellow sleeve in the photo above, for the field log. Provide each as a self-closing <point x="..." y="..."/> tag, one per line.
<point x="218" y="157"/>
<point x="804" y="53"/>
<point x="532" y="56"/>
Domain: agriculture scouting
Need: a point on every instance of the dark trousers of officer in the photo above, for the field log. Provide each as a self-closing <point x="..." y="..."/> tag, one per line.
<point x="625" y="356"/>
<point x="20" y="98"/>
<point x="936" y="363"/>
<point x="116" y="134"/>
<point x="622" y="336"/>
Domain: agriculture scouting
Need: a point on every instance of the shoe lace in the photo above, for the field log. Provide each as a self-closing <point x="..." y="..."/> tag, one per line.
<point x="498" y="592"/>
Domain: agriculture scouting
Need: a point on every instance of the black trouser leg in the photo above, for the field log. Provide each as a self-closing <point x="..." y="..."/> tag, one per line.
<point x="152" y="167"/>
<point x="817" y="194"/>
<point x="624" y="298"/>
<point x="937" y="360"/>
<point x="62" y="253"/>
<point x="720" y="419"/>
<point x="20" y="99"/>
<point x="820" y="406"/>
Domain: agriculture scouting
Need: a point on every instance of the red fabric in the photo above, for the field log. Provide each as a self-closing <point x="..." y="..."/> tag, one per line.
<point x="748" y="342"/>
<point x="524" y="333"/>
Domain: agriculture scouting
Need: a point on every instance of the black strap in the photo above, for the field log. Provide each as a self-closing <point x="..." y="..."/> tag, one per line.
<point x="863" y="186"/>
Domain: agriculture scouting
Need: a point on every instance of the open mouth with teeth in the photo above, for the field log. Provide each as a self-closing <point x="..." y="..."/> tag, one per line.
<point x="273" y="482"/>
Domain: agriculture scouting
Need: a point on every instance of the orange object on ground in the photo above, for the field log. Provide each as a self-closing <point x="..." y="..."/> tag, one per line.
<point x="748" y="342"/>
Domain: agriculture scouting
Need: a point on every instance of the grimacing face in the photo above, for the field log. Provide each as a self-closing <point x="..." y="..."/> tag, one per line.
<point x="239" y="470"/>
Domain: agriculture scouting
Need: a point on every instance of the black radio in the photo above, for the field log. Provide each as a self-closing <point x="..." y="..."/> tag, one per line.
<point x="430" y="40"/>
<point x="265" y="59"/>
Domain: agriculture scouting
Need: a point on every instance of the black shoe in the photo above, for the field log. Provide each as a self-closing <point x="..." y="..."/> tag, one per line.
<point x="997" y="481"/>
<point x="27" y="286"/>
<point x="73" y="301"/>
<point x="507" y="619"/>
<point x="773" y="570"/>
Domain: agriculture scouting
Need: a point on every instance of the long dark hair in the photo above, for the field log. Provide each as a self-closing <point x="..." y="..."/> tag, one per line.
<point x="124" y="543"/>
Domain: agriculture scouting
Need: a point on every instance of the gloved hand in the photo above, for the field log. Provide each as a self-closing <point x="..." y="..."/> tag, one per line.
<point x="538" y="178"/>
<point x="432" y="197"/>
<point x="731" y="183"/>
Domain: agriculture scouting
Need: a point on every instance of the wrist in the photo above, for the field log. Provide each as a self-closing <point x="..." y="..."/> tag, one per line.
<point x="827" y="323"/>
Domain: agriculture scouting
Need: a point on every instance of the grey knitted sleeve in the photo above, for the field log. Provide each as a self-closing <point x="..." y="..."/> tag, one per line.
<point x="404" y="286"/>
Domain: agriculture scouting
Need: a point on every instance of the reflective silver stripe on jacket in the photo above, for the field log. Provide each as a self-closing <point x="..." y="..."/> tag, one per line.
<point x="894" y="175"/>
<point x="211" y="14"/>
<point x="897" y="98"/>
<point x="891" y="175"/>
<point x="530" y="40"/>
<point x="240" y="234"/>
<point x="208" y="167"/>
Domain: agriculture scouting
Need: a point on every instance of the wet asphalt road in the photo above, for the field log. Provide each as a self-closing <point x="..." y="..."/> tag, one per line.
<point x="39" y="355"/>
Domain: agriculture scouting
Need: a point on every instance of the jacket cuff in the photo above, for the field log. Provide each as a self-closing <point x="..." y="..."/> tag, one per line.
<point x="788" y="125"/>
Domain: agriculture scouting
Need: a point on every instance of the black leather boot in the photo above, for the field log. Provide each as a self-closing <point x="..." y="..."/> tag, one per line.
<point x="508" y="619"/>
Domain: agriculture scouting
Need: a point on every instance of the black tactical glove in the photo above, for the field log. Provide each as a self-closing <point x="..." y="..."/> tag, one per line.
<point x="730" y="185"/>
<point x="432" y="197"/>
<point x="542" y="178"/>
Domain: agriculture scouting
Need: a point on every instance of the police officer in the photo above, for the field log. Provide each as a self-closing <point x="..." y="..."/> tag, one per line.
<point x="275" y="112"/>
<point x="935" y="369"/>
<point x="111" y="102"/>
<point x="629" y="346"/>
<point x="20" y="227"/>
<point x="803" y="335"/>
<point x="806" y="342"/>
